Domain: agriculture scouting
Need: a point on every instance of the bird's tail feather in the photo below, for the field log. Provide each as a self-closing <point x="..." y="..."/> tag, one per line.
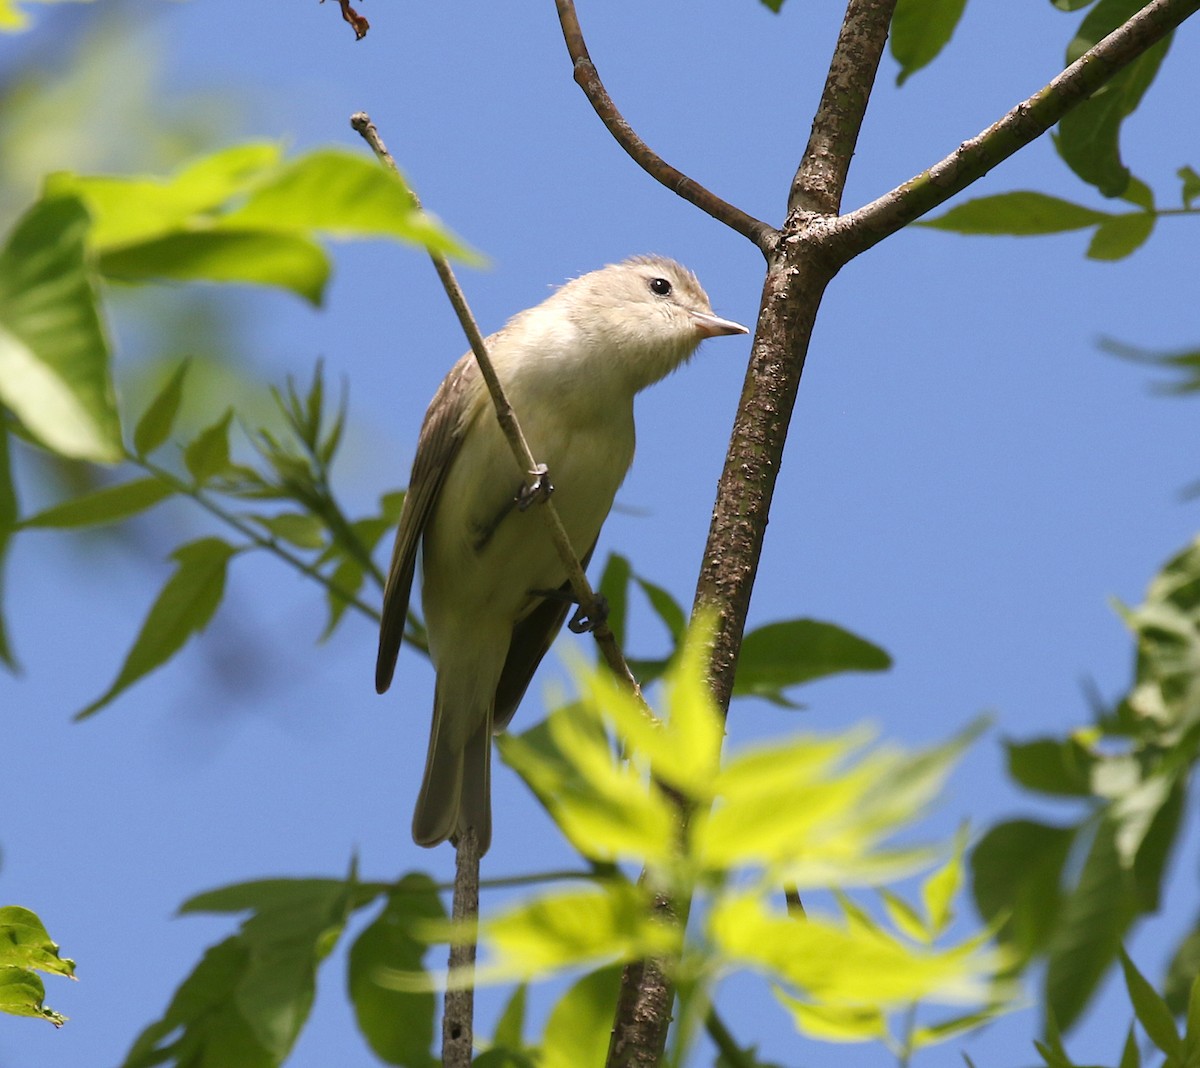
<point x="456" y="790"/>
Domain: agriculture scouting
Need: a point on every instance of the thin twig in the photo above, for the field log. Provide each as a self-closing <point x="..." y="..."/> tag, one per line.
<point x="731" y="1053"/>
<point x="458" y="1011"/>
<point x="762" y="234"/>
<point x="580" y="586"/>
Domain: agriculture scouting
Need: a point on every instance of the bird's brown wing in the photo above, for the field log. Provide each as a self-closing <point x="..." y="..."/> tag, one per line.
<point x="531" y="640"/>
<point x="438" y="444"/>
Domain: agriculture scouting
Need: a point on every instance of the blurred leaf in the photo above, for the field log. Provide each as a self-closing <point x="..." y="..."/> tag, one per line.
<point x="1016" y="876"/>
<point x="345" y="195"/>
<point x="1121" y="236"/>
<point x="128" y="209"/>
<point x="1050" y="766"/>
<point x="8" y="519"/>
<point x="13" y="19"/>
<point x="208" y="453"/>
<point x="1186" y="362"/>
<point x="785" y="654"/>
<point x="246" y="1001"/>
<point x="850" y="966"/>
<point x="304" y="530"/>
<point x="1191" y="185"/>
<point x="817" y="810"/>
<point x="939" y="889"/>
<point x="574" y="928"/>
<point x="510" y="1028"/>
<point x="835" y="1023"/>
<point x="1182" y="973"/>
<point x="944" y="1030"/>
<point x="920" y="30"/>
<point x="772" y="5"/>
<point x="1070" y="5"/>
<point x="1092" y="922"/>
<point x="1151" y="1010"/>
<point x="244" y="215"/>
<point x="183" y="608"/>
<point x="54" y="373"/>
<point x="1018" y="214"/>
<point x="614" y="587"/>
<point x="1089" y="134"/>
<point x="906" y="919"/>
<point x="108" y="505"/>
<point x="580" y="1024"/>
<point x="602" y="805"/>
<point x="1130" y="1057"/>
<point x="156" y="422"/>
<point x="666" y="608"/>
<point x="288" y="260"/>
<point x="398" y="1025"/>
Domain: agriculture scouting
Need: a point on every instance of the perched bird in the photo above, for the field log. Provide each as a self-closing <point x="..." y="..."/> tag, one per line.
<point x="570" y="367"/>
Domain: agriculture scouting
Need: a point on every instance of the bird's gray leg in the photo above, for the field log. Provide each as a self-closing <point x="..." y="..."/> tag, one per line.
<point x="587" y="617"/>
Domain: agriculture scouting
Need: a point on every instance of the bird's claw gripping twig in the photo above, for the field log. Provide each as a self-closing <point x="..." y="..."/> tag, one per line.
<point x="536" y="491"/>
<point x="588" y="617"/>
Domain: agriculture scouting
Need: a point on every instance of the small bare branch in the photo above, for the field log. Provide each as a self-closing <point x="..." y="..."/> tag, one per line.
<point x="359" y="24"/>
<point x="459" y="1009"/>
<point x="762" y="234"/>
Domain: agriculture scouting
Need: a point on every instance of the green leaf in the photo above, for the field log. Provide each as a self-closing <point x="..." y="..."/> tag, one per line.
<point x="510" y="1028"/>
<point x="665" y="607"/>
<point x="1070" y="5"/>
<point x="397" y="1024"/>
<point x="1121" y="236"/>
<point x="1130" y="1057"/>
<point x="1191" y="185"/>
<point x="208" y="454"/>
<point x="614" y="587"/>
<point x="109" y="505"/>
<point x="183" y="608"/>
<point x="572" y="928"/>
<point x="1180" y="984"/>
<point x="1050" y="766"/>
<point x="245" y="1002"/>
<point x="580" y="1024"/>
<point x="1151" y="1010"/>
<point x="22" y="993"/>
<point x="835" y="1023"/>
<point x="346" y="195"/>
<point x="301" y="529"/>
<point x="785" y="654"/>
<point x="261" y="257"/>
<point x="1016" y="874"/>
<point x="939" y="889"/>
<point x="1186" y="362"/>
<point x="25" y="943"/>
<point x="128" y="209"/>
<point x="841" y="965"/>
<point x="1089" y="134"/>
<point x="54" y="371"/>
<point x="8" y="520"/>
<point x="1092" y="922"/>
<point x="920" y="30"/>
<point x="156" y="422"/>
<point x="1019" y="214"/>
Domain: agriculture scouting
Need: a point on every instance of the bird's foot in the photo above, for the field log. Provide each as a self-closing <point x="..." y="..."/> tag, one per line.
<point x="536" y="491"/>
<point x="586" y="618"/>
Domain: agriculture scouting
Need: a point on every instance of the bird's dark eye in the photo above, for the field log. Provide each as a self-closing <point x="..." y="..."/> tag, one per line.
<point x="660" y="286"/>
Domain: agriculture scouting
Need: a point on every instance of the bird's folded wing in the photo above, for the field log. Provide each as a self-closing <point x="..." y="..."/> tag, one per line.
<point x="441" y="435"/>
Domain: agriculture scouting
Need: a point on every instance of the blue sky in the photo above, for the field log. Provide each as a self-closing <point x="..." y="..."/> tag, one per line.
<point x="969" y="481"/>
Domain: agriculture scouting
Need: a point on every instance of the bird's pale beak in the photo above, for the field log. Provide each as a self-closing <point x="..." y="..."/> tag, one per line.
<point x="712" y="325"/>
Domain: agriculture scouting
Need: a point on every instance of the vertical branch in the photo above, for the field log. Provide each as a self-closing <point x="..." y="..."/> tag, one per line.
<point x="458" y="1013"/>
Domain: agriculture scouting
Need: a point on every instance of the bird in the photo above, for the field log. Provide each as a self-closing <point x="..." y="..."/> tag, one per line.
<point x="493" y="589"/>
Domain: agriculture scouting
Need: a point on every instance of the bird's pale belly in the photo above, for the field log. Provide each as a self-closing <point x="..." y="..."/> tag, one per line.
<point x="484" y="557"/>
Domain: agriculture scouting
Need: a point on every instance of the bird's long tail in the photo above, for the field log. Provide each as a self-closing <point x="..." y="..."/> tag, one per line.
<point x="456" y="790"/>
